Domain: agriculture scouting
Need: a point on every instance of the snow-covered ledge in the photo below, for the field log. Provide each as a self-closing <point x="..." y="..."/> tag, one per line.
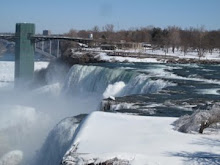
<point x="138" y="140"/>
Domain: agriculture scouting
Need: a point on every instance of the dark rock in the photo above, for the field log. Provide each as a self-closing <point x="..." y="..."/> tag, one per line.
<point x="80" y="57"/>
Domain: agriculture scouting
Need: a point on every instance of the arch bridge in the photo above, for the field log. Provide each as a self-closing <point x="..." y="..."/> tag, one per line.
<point x="25" y="40"/>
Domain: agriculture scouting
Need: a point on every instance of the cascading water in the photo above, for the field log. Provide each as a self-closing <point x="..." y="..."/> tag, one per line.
<point x="95" y="79"/>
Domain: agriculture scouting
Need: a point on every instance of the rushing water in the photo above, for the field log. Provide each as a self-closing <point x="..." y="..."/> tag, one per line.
<point x="149" y="89"/>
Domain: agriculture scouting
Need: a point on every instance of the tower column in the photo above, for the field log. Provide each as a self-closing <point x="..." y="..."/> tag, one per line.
<point x="24" y="53"/>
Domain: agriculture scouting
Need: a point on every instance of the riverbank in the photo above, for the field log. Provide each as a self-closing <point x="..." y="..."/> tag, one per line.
<point x="100" y="56"/>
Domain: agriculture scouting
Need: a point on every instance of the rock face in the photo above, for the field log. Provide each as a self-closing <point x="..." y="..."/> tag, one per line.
<point x="72" y="57"/>
<point x="191" y="61"/>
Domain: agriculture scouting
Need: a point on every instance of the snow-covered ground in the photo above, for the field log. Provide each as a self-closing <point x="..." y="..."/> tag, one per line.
<point x="154" y="56"/>
<point x="105" y="57"/>
<point x="7" y="72"/>
<point x="140" y="140"/>
<point x="191" y="54"/>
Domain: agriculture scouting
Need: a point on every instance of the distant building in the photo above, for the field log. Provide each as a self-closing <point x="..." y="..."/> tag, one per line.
<point x="91" y="36"/>
<point x="46" y="32"/>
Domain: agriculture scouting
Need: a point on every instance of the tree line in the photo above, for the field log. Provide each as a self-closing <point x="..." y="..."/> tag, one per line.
<point x="189" y="39"/>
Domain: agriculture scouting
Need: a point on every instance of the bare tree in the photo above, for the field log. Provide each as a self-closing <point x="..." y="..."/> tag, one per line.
<point x="174" y="37"/>
<point x="199" y="40"/>
<point x="109" y="28"/>
<point x="66" y="45"/>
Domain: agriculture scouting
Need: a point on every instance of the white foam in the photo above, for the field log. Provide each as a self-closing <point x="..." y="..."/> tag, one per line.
<point x="114" y="89"/>
<point x="213" y="91"/>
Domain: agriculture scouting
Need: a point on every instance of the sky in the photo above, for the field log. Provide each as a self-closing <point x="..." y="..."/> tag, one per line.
<point x="60" y="16"/>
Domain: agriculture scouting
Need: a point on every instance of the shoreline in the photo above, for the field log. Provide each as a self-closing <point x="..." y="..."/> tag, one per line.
<point x="97" y="56"/>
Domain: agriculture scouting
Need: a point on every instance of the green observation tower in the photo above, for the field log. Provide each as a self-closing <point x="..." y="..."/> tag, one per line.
<point x="24" y="53"/>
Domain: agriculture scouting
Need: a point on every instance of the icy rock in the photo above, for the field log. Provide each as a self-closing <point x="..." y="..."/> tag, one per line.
<point x="58" y="141"/>
<point x="111" y="98"/>
<point x="192" y="124"/>
<point x="12" y="158"/>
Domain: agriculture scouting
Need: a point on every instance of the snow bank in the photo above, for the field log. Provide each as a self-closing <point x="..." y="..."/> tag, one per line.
<point x="40" y="65"/>
<point x="138" y="140"/>
<point x="105" y="57"/>
<point x="180" y="54"/>
<point x="151" y="56"/>
<point x="7" y="72"/>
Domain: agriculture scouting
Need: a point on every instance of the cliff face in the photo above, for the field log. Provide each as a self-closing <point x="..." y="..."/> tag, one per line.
<point x="58" y="141"/>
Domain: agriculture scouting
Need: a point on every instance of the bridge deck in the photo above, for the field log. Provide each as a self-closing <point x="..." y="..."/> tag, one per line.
<point x="9" y="37"/>
<point x="39" y="38"/>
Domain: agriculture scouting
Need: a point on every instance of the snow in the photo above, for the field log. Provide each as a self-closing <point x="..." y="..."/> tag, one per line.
<point x="192" y="123"/>
<point x="191" y="54"/>
<point x="40" y="65"/>
<point x="11" y="158"/>
<point x="140" y="140"/>
<point x="7" y="72"/>
<point x="161" y="71"/>
<point x="105" y="57"/>
<point x="151" y="56"/>
<point x="214" y="91"/>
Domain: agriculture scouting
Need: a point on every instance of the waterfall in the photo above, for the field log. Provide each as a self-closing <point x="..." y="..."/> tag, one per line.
<point x="96" y="79"/>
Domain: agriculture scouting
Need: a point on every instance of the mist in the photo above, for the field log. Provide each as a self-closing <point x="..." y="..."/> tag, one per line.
<point x="28" y="113"/>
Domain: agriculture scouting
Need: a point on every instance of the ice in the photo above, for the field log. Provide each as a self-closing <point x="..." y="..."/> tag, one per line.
<point x="155" y="56"/>
<point x="58" y="142"/>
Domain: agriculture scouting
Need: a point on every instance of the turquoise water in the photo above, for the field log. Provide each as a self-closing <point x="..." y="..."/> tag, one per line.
<point x="189" y="88"/>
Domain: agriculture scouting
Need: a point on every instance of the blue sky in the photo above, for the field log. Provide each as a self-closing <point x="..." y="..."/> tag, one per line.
<point x="62" y="15"/>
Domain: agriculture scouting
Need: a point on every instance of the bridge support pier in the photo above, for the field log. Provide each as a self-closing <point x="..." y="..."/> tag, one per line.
<point x="58" y="48"/>
<point x="24" y="53"/>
